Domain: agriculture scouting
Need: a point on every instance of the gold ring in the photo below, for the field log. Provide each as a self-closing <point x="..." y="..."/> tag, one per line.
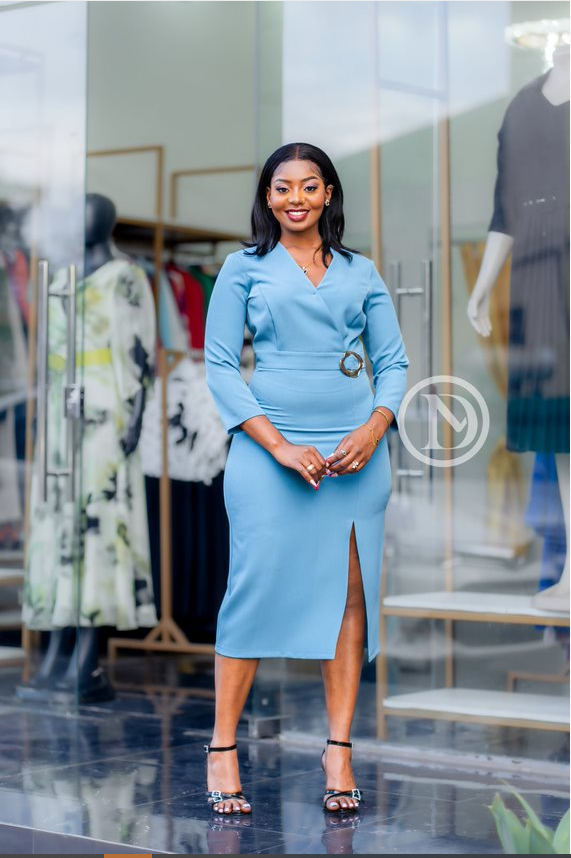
<point x="355" y="465"/>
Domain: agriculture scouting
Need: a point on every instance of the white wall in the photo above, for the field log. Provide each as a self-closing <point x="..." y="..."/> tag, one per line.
<point x="180" y="74"/>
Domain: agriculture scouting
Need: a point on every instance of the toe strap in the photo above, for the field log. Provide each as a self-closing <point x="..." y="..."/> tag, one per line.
<point x="335" y="793"/>
<point x="216" y="796"/>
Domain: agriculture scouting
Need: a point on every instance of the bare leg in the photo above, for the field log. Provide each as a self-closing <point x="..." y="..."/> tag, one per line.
<point x="233" y="679"/>
<point x="341" y="677"/>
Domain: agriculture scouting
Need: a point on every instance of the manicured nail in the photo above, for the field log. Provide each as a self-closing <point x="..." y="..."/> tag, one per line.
<point x="314" y="484"/>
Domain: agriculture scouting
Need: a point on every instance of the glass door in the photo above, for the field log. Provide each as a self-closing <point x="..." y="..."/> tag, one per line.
<point x="462" y="633"/>
<point x="42" y="202"/>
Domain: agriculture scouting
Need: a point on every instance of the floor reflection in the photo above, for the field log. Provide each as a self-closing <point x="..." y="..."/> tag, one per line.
<point x="126" y="775"/>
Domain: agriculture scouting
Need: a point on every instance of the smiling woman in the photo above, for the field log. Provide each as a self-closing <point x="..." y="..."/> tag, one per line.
<point x="308" y="475"/>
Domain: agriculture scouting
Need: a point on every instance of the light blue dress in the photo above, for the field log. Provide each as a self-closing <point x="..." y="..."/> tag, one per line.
<point x="289" y="544"/>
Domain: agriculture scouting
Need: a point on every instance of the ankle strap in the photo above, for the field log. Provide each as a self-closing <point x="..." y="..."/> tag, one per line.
<point x="341" y="744"/>
<point x="208" y="749"/>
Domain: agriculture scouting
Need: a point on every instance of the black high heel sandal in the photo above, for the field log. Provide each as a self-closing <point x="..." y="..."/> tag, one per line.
<point x="355" y="794"/>
<point x="215" y="796"/>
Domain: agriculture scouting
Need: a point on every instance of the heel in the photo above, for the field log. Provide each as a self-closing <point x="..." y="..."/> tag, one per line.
<point x="216" y="796"/>
<point x="355" y="794"/>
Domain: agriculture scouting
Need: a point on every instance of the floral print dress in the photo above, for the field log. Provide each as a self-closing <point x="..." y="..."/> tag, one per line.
<point x="88" y="563"/>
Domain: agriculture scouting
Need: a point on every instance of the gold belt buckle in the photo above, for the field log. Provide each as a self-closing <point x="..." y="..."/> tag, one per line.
<point x="352" y="373"/>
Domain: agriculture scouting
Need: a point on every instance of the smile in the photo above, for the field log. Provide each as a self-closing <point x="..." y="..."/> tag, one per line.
<point x="297" y="215"/>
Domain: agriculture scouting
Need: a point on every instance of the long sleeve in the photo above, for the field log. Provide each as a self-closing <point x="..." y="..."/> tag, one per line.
<point x="224" y="337"/>
<point x="385" y="347"/>
<point x="500" y="221"/>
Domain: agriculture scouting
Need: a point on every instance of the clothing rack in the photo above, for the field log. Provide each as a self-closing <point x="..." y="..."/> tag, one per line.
<point x="159" y="236"/>
<point x="166" y="636"/>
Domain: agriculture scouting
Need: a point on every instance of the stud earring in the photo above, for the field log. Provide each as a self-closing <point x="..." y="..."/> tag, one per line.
<point x="326" y="202"/>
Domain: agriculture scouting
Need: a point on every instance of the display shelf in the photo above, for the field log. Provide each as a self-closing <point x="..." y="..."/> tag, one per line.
<point x="11" y="618"/>
<point x="478" y="705"/>
<point x="474" y="607"/>
<point x="11" y="555"/>
<point x="11" y="577"/>
<point x="11" y="656"/>
<point x="143" y="231"/>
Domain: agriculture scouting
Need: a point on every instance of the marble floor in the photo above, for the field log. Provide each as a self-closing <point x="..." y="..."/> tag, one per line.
<point x="128" y="776"/>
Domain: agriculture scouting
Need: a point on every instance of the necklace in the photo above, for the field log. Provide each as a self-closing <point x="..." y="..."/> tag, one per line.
<point x="305" y="268"/>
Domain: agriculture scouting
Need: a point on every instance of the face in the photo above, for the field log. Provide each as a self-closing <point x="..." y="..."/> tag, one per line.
<point x="297" y="195"/>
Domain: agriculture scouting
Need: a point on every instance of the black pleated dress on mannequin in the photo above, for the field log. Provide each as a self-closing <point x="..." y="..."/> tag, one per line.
<point x="532" y="205"/>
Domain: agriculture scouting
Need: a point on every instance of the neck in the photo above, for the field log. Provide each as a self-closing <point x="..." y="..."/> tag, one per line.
<point x="556" y="86"/>
<point x="307" y="240"/>
<point x="97" y="255"/>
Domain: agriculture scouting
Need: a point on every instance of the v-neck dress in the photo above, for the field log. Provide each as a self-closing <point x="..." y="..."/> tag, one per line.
<point x="289" y="544"/>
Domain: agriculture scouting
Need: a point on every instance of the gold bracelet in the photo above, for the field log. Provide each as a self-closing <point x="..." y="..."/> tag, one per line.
<point x="378" y="410"/>
<point x="375" y="441"/>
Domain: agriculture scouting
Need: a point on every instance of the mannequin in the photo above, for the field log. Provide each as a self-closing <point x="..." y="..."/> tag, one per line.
<point x="499" y="246"/>
<point x="71" y="660"/>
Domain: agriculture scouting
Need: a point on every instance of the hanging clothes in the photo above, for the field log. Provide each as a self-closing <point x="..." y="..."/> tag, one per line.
<point x="207" y="282"/>
<point x="197" y="440"/>
<point x="200" y="552"/>
<point x="103" y="576"/>
<point x="192" y="304"/>
<point x="19" y="278"/>
<point x="178" y="287"/>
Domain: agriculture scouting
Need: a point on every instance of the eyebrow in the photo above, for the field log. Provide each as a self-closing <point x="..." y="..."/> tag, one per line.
<point x="287" y="181"/>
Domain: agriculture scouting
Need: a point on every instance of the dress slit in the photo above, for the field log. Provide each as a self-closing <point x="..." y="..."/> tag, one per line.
<point x="348" y="558"/>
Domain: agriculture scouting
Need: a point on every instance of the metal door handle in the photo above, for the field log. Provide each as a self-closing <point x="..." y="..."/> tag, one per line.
<point x="42" y="374"/>
<point x="72" y="396"/>
<point x="426" y="292"/>
<point x="73" y="393"/>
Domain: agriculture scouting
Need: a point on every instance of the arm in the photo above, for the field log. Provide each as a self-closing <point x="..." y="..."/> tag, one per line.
<point x="224" y="336"/>
<point x="384" y="344"/>
<point x="385" y="348"/>
<point x="498" y="245"/>
<point x="498" y="248"/>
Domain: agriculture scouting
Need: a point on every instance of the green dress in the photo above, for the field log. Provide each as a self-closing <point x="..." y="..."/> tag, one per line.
<point x="88" y="564"/>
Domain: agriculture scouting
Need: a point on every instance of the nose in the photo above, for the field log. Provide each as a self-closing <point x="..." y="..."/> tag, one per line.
<point x="295" y="196"/>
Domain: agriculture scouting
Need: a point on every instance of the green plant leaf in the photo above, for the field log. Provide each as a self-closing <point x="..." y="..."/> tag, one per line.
<point x="561" y="836"/>
<point x="534" y="820"/>
<point x="513" y="836"/>
<point x="538" y="844"/>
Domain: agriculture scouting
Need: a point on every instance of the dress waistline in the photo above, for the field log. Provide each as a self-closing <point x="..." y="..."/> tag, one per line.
<point x="309" y="361"/>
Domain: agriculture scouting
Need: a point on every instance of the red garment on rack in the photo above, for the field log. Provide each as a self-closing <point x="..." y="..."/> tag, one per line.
<point x="192" y="308"/>
<point x="178" y="287"/>
<point x="19" y="276"/>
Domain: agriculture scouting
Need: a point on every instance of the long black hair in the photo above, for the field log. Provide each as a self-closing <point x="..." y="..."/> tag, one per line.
<point x="266" y="229"/>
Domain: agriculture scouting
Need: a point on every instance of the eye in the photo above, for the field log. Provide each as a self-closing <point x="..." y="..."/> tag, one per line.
<point x="311" y="188"/>
<point x="279" y="190"/>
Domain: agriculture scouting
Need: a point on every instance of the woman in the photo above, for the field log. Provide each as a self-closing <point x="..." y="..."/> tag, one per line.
<point x="308" y="473"/>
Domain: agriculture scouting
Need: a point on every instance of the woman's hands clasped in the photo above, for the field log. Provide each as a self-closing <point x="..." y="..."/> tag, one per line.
<point x="307" y="461"/>
<point x="353" y="453"/>
<point x="350" y="457"/>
